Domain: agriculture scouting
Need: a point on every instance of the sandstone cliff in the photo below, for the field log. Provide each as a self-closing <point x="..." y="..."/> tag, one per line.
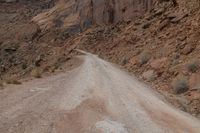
<point x="76" y="15"/>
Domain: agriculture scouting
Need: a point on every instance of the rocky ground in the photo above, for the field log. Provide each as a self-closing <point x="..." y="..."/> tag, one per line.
<point x="161" y="47"/>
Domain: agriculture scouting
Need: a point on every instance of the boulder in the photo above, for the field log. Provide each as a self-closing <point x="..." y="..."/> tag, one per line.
<point x="188" y="49"/>
<point x="158" y="63"/>
<point x="9" y="47"/>
<point x="149" y="75"/>
<point x="194" y="81"/>
<point x="133" y="61"/>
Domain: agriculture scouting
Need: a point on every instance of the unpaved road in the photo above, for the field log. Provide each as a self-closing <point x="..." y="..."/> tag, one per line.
<point x="95" y="97"/>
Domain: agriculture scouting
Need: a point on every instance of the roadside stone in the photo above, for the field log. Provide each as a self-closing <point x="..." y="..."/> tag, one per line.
<point x="194" y="81"/>
<point x="163" y="24"/>
<point x="146" y="25"/>
<point x="195" y="106"/>
<point x="188" y="49"/>
<point x="159" y="12"/>
<point x="133" y="61"/>
<point x="149" y="75"/>
<point x="124" y="61"/>
<point x="176" y="17"/>
<point x="158" y="63"/>
<point x="180" y="46"/>
<point x="38" y="61"/>
<point x="10" y="46"/>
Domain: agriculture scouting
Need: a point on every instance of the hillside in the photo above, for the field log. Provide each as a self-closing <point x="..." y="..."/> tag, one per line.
<point x="159" y="42"/>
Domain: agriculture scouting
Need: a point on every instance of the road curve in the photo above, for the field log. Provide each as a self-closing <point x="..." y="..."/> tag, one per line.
<point x="96" y="97"/>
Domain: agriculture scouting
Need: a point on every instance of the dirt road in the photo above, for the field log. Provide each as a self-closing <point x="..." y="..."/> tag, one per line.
<point x="95" y="97"/>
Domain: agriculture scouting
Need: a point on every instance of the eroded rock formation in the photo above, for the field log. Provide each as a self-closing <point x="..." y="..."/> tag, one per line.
<point x="76" y="15"/>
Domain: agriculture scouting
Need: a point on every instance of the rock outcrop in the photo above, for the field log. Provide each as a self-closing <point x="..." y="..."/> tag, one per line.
<point x="77" y="15"/>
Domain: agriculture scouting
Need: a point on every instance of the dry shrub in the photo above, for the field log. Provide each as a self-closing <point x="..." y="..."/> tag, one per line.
<point x="180" y="85"/>
<point x="36" y="73"/>
<point x="193" y="67"/>
<point x="144" y="57"/>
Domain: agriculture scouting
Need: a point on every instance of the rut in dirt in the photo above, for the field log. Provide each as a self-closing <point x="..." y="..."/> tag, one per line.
<point x="95" y="97"/>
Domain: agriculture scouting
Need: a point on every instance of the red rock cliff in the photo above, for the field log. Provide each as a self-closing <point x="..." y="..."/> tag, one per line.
<point x="80" y="14"/>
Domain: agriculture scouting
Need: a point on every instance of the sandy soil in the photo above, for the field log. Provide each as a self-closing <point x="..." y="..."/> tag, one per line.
<point x="92" y="98"/>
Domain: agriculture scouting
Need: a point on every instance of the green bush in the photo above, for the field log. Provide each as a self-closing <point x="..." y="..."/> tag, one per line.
<point x="144" y="57"/>
<point x="180" y="86"/>
<point x="193" y="67"/>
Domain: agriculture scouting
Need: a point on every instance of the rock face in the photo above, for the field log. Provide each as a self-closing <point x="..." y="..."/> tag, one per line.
<point x="77" y="15"/>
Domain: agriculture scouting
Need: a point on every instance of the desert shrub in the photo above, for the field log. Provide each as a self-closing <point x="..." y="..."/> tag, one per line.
<point x="180" y="85"/>
<point x="144" y="57"/>
<point x="124" y="61"/>
<point x="36" y="73"/>
<point x="193" y="67"/>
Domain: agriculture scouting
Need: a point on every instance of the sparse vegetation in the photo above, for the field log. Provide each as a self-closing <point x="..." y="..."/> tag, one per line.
<point x="144" y="57"/>
<point x="193" y="67"/>
<point x="36" y="73"/>
<point x="180" y="85"/>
